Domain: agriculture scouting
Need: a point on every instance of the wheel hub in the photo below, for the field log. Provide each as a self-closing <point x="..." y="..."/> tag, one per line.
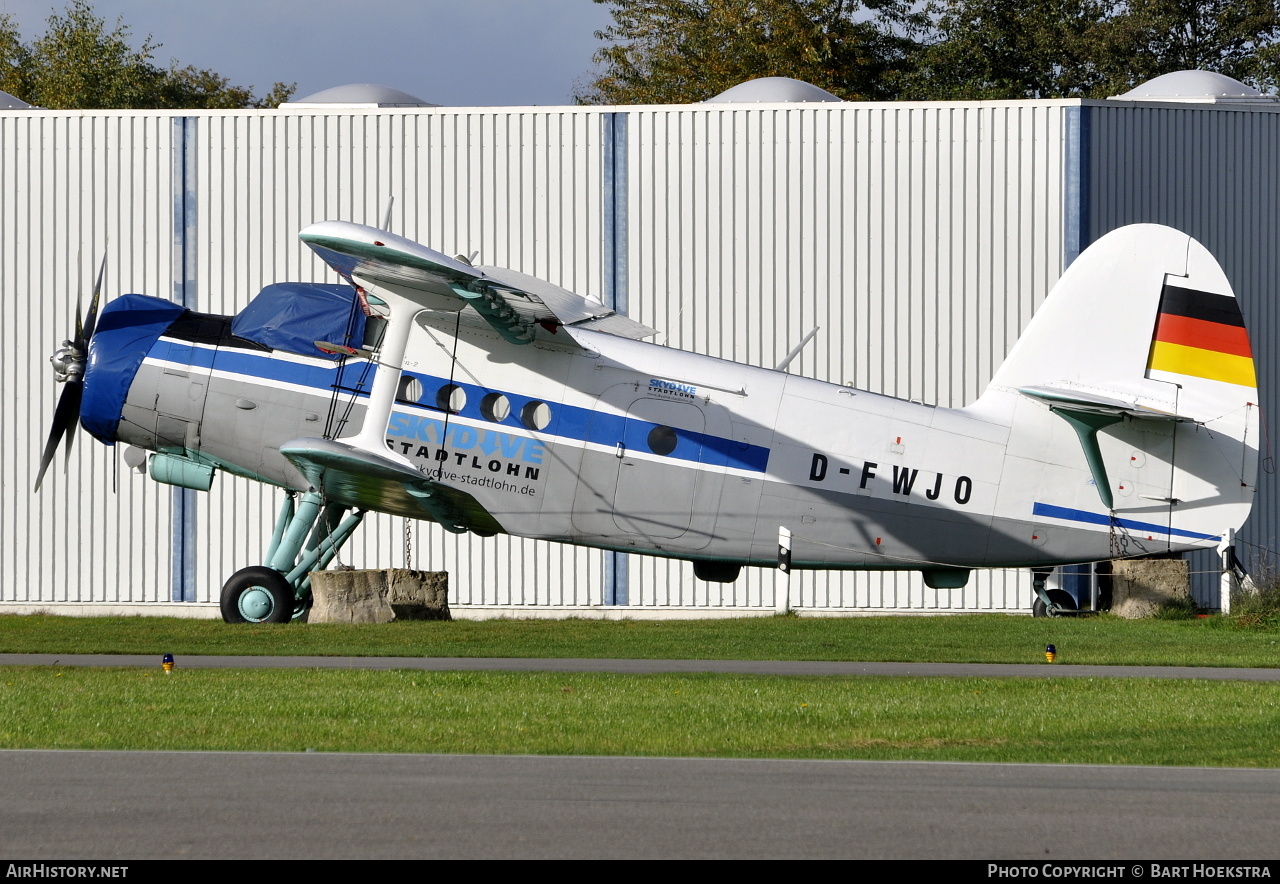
<point x="256" y="604"/>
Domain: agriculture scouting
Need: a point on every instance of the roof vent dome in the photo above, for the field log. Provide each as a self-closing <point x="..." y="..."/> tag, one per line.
<point x="13" y="102"/>
<point x="359" y="95"/>
<point x="1200" y="87"/>
<point x="772" y="90"/>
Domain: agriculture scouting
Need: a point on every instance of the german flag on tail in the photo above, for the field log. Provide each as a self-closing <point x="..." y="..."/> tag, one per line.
<point x="1202" y="335"/>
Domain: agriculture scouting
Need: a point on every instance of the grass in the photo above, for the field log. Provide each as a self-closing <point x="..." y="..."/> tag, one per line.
<point x="994" y="638"/>
<point x="1098" y="721"/>
<point x="1083" y="721"/>
<point x="1258" y="608"/>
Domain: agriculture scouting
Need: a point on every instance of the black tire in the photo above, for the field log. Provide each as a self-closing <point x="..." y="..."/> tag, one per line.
<point x="257" y="595"/>
<point x="1061" y="598"/>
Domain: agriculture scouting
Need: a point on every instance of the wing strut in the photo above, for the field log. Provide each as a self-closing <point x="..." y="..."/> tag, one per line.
<point x="1087" y="424"/>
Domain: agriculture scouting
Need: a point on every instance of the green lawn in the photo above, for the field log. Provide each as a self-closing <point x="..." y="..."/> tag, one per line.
<point x="1095" y="721"/>
<point x="1070" y="720"/>
<point x="993" y="638"/>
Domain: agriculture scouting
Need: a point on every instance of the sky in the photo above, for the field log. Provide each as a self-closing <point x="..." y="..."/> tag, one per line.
<point x="451" y="52"/>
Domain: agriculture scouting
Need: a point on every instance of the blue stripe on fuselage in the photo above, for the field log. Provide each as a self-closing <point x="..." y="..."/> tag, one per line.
<point x="567" y="421"/>
<point x="1070" y="515"/>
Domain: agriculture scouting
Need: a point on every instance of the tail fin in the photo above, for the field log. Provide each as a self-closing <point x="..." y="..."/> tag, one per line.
<point x="1142" y="349"/>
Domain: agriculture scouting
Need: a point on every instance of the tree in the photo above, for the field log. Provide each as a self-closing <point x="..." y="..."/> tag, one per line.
<point x="1147" y="38"/>
<point x="660" y="51"/>
<point x="79" y="63"/>
<point x="984" y="50"/>
<point x="13" y="58"/>
<point x="193" y="87"/>
<point x="678" y="51"/>
<point x="1090" y="48"/>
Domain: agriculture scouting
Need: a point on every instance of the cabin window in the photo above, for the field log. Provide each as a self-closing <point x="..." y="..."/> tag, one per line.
<point x="536" y="415"/>
<point x="662" y="440"/>
<point x="495" y="407"/>
<point x="451" y="398"/>
<point x="374" y="328"/>
<point x="410" y="390"/>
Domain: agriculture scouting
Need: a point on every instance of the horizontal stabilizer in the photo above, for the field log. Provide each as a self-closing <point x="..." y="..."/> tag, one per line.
<point x="1087" y="401"/>
<point x="358" y="478"/>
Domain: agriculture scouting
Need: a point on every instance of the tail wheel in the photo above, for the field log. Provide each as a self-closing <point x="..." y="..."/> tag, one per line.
<point x="257" y="595"/>
<point x="1062" y="601"/>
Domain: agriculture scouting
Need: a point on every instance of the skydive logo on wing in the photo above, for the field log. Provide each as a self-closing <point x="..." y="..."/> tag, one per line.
<point x="465" y="447"/>
<point x="671" y="388"/>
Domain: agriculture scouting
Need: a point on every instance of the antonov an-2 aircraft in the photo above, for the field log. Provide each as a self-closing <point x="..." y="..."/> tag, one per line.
<point x="1122" y="423"/>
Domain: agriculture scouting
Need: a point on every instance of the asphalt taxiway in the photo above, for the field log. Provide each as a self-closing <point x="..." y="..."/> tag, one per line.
<point x="135" y="805"/>
<point x="744" y="667"/>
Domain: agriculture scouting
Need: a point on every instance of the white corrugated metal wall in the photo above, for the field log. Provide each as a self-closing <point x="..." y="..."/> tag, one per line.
<point x="75" y="187"/>
<point x="920" y="237"/>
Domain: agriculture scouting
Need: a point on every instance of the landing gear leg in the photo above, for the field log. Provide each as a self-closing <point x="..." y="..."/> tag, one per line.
<point x="307" y="536"/>
<point x="1049" y="602"/>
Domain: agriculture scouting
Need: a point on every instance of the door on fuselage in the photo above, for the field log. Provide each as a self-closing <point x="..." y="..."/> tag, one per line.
<point x="644" y="477"/>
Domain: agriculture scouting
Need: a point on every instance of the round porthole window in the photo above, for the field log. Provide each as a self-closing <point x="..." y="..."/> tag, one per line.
<point x="410" y="390"/>
<point x="451" y="398"/>
<point x="536" y="415"/>
<point x="662" y="440"/>
<point x="495" y="407"/>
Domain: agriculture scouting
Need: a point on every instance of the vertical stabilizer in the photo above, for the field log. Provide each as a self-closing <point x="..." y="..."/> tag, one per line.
<point x="1137" y="373"/>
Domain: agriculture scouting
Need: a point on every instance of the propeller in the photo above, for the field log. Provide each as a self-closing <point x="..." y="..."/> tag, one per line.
<point x="68" y="363"/>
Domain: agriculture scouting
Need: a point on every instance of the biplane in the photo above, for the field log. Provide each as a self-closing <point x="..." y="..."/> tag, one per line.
<point x="1122" y="423"/>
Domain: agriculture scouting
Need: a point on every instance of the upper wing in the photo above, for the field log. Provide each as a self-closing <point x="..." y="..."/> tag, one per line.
<point x="512" y="303"/>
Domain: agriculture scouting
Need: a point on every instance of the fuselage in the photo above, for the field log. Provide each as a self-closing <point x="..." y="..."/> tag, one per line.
<point x="615" y="443"/>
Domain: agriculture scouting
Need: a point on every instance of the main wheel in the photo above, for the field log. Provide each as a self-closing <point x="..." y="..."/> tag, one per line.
<point x="1061" y="599"/>
<point x="257" y="595"/>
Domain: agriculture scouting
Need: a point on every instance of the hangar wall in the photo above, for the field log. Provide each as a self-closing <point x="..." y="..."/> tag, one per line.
<point x="75" y="187"/>
<point x="1212" y="171"/>
<point x="919" y="237"/>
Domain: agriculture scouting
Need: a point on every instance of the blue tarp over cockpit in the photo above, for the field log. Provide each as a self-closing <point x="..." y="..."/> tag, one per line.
<point x="292" y="316"/>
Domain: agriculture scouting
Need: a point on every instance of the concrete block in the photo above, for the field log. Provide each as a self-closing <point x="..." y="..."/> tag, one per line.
<point x="379" y="596"/>
<point x="1139" y="587"/>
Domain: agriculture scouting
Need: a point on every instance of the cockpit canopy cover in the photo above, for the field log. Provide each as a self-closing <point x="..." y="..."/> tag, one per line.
<point x="292" y="316"/>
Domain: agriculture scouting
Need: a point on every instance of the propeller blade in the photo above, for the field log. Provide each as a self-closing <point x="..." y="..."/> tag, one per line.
<point x="65" y="417"/>
<point x="79" y="298"/>
<point x="91" y="320"/>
